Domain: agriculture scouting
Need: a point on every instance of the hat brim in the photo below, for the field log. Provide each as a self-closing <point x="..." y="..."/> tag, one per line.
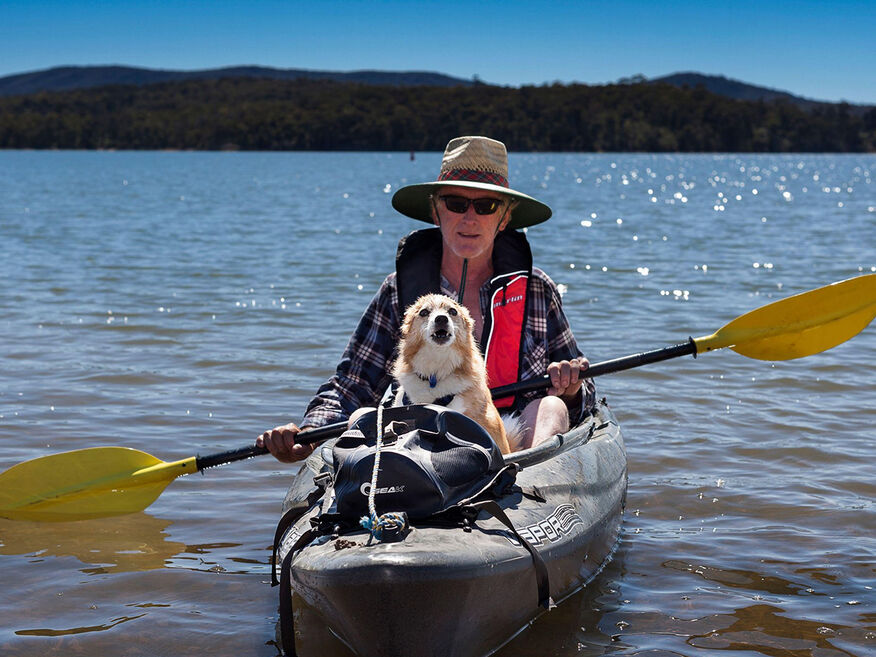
<point x="413" y="201"/>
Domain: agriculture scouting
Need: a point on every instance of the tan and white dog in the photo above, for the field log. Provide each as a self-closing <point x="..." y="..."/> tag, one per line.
<point x="438" y="358"/>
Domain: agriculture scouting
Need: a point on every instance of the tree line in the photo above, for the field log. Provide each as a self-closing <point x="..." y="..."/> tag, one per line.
<point x="257" y="114"/>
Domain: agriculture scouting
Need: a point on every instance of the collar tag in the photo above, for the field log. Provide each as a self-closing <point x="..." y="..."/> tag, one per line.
<point x="433" y="380"/>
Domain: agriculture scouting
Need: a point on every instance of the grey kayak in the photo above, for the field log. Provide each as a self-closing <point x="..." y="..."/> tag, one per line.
<point x="448" y="592"/>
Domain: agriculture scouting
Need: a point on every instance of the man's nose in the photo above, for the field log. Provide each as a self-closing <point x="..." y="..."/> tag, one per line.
<point x="470" y="213"/>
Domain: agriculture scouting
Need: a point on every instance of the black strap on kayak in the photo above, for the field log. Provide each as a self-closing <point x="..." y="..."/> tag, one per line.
<point x="287" y="620"/>
<point x="285" y="522"/>
<point x="541" y="571"/>
<point x="287" y="625"/>
<point x="294" y="513"/>
<point x="533" y="493"/>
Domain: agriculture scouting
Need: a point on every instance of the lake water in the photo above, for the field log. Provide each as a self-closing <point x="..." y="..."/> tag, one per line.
<point x="182" y="303"/>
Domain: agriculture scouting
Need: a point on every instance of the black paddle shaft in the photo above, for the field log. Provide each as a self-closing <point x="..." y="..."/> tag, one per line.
<point x="333" y="430"/>
<point x="688" y="348"/>
<point x="305" y="437"/>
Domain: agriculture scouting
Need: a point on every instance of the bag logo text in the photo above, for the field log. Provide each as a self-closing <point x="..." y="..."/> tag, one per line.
<point x="365" y="489"/>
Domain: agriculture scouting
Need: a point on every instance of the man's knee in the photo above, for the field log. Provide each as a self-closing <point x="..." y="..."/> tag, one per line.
<point x="543" y="418"/>
<point x="554" y="413"/>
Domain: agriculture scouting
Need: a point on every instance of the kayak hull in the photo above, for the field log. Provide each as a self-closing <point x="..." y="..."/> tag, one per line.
<point x="448" y="592"/>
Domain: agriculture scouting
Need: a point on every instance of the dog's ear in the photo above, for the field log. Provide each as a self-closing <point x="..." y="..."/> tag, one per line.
<point x="406" y="324"/>
<point x="466" y="319"/>
<point x="408" y="320"/>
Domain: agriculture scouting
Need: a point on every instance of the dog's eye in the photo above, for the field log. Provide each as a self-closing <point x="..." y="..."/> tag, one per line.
<point x="424" y="312"/>
<point x="452" y="312"/>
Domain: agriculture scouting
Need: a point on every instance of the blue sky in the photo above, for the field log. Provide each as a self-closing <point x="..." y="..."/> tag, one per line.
<point x="822" y="50"/>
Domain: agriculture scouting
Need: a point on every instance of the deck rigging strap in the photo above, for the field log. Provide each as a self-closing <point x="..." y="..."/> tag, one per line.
<point x="390" y="521"/>
<point x="542" y="578"/>
<point x="287" y="617"/>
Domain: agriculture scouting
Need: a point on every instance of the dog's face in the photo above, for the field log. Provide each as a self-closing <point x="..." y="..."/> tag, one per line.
<point x="436" y="319"/>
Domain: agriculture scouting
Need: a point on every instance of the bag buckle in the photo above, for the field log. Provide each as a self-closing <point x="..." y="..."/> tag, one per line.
<point x="323" y="480"/>
<point x="393" y="431"/>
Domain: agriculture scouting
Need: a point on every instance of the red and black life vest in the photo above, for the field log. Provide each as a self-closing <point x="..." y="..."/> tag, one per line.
<point x="418" y="272"/>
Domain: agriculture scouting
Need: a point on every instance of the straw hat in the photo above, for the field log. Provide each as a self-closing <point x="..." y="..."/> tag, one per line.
<point x="474" y="162"/>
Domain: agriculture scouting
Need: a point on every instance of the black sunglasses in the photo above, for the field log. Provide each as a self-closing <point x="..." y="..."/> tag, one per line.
<point x="459" y="204"/>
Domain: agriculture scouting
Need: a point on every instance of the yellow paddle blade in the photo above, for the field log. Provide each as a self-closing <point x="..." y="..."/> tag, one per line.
<point x="801" y="325"/>
<point x="86" y="483"/>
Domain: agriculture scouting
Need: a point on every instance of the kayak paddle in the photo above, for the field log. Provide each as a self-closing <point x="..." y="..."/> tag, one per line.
<point x="108" y="481"/>
<point x="802" y="325"/>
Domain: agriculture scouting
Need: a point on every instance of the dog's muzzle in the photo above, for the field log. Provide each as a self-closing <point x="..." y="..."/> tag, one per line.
<point x="441" y="329"/>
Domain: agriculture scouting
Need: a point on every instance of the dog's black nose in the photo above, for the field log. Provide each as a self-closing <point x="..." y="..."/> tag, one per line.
<point x="441" y="320"/>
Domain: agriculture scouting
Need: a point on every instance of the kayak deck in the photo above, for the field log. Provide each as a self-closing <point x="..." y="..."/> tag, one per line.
<point x="450" y="592"/>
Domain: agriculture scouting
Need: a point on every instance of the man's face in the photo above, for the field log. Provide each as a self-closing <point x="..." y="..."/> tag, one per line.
<point x="469" y="234"/>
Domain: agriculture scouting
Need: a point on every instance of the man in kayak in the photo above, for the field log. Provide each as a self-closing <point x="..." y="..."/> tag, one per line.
<point x="475" y="255"/>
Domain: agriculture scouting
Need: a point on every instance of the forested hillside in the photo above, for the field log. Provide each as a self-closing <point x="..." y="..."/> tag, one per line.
<point x="258" y="114"/>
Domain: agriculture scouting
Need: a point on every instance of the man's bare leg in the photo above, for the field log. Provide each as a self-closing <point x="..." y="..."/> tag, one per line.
<point x="542" y="419"/>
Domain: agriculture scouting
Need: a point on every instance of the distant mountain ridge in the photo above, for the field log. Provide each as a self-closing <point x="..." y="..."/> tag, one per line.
<point x="718" y="84"/>
<point x="68" y="78"/>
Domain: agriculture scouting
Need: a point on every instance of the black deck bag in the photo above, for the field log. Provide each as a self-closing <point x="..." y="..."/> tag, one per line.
<point x="430" y="460"/>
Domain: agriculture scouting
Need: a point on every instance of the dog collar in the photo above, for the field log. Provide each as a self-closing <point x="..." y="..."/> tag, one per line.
<point x="441" y="401"/>
<point x="432" y="379"/>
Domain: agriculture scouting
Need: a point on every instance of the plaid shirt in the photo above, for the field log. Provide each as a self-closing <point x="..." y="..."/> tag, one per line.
<point x="364" y="373"/>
